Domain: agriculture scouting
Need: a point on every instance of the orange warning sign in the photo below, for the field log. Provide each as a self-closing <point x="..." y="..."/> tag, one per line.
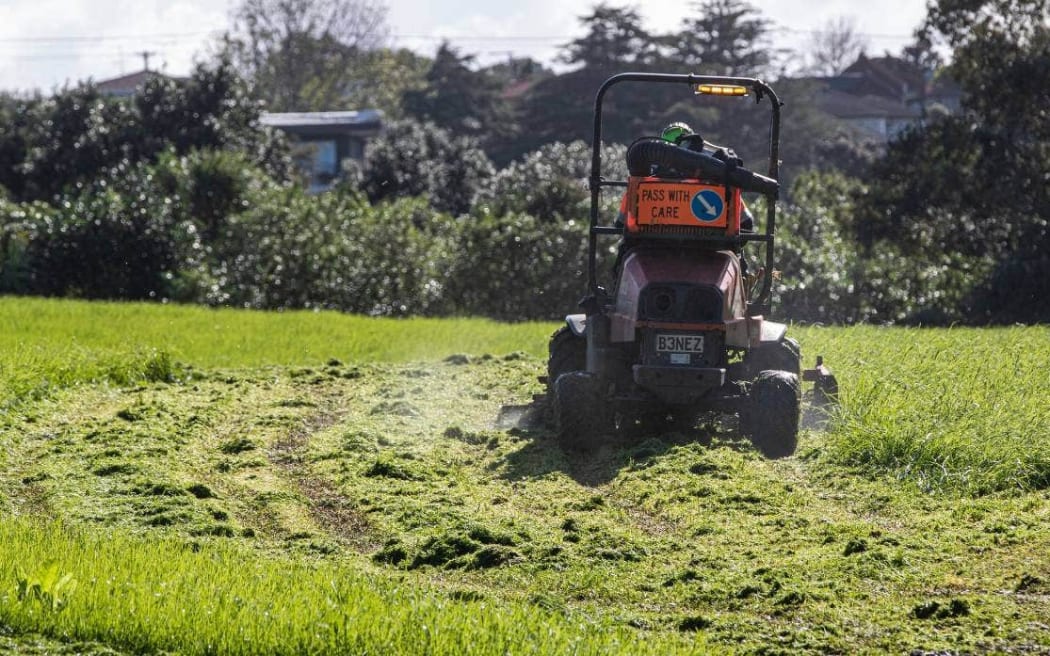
<point x="683" y="203"/>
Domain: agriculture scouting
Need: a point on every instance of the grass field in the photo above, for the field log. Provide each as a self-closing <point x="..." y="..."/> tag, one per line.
<point x="187" y="480"/>
<point x="46" y="344"/>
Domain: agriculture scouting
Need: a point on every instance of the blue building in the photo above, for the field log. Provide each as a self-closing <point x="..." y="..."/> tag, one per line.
<point x="321" y="141"/>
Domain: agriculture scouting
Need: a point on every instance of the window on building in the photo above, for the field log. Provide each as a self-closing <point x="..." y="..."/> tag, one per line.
<point x="318" y="161"/>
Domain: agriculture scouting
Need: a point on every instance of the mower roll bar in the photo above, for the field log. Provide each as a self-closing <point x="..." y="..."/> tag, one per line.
<point x="596" y="181"/>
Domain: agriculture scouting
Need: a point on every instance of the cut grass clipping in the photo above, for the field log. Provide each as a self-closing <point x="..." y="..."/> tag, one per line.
<point x="960" y="409"/>
<point x="360" y="496"/>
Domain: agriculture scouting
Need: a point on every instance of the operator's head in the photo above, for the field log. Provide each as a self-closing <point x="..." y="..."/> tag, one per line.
<point x="675" y="131"/>
<point x="680" y="134"/>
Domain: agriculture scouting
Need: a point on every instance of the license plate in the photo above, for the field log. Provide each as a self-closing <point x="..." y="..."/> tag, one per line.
<point x="680" y="343"/>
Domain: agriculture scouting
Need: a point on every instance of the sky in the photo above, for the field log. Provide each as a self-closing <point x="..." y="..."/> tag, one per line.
<point x="45" y="44"/>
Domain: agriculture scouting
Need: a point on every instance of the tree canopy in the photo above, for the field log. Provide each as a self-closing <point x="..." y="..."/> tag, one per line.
<point x="973" y="184"/>
<point x="615" y="38"/>
<point x="835" y="46"/>
<point x="76" y="135"/>
<point x="723" y="37"/>
<point x="461" y="100"/>
<point x="305" y="55"/>
<point x="177" y="191"/>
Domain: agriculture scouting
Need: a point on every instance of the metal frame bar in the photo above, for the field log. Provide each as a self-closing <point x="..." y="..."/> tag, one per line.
<point x="760" y="89"/>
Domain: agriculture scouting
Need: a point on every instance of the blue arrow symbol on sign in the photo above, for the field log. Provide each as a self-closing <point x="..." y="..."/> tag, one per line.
<point x="707" y="205"/>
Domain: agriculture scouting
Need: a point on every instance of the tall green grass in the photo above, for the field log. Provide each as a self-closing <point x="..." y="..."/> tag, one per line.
<point x="47" y="343"/>
<point x="150" y="595"/>
<point x="31" y="372"/>
<point x="962" y="408"/>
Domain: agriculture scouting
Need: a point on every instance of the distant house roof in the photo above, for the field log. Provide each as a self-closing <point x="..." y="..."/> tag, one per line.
<point x="900" y="79"/>
<point x="363" y="122"/>
<point x="891" y="77"/>
<point x="128" y="85"/>
<point x="847" y="105"/>
<point x="518" y="88"/>
<point x="884" y="91"/>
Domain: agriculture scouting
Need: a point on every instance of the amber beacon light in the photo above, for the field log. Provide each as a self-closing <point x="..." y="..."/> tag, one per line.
<point x="721" y="90"/>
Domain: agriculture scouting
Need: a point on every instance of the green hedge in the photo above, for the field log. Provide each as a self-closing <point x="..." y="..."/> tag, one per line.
<point x="210" y="227"/>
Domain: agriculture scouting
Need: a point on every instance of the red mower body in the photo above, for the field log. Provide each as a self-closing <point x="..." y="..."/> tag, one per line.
<point x="680" y="331"/>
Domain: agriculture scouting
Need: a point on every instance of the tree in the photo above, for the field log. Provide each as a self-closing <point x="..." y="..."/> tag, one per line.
<point x="420" y="159"/>
<point x="78" y="134"/>
<point x="973" y="185"/>
<point x="304" y="55"/>
<point x="517" y="69"/>
<point x="385" y="77"/>
<point x="727" y="37"/>
<point x="835" y="46"/>
<point x="463" y="101"/>
<point x="615" y="38"/>
<point x="68" y="138"/>
<point x="213" y="109"/>
<point x="14" y="122"/>
<point x="560" y="108"/>
<point x="990" y="161"/>
<point x="1000" y="59"/>
<point x="551" y="183"/>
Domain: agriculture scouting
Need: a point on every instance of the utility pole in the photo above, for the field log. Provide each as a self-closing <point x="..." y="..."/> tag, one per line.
<point x="146" y="54"/>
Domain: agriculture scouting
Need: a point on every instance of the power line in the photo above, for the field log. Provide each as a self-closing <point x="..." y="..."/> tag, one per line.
<point x="180" y="40"/>
<point x="67" y="55"/>
<point x="104" y="37"/>
<point x="422" y="37"/>
<point x="468" y="37"/>
<point x="569" y="37"/>
<point x="869" y="35"/>
<point x="88" y="54"/>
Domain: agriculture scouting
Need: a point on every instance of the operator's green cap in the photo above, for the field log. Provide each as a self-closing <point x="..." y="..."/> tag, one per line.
<point x="675" y="131"/>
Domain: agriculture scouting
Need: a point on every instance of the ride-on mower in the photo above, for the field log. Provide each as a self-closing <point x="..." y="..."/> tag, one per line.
<point x="683" y="330"/>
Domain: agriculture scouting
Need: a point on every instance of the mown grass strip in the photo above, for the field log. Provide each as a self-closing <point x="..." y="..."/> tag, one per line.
<point x="149" y="595"/>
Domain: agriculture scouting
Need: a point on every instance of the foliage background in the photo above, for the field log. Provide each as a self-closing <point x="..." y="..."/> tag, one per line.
<point x="474" y="199"/>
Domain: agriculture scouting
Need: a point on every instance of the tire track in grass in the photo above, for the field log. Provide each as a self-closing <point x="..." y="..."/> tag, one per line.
<point x="681" y="532"/>
<point x="332" y="510"/>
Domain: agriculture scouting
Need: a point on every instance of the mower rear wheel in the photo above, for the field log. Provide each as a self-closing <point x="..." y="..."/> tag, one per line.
<point x="785" y="355"/>
<point x="566" y="352"/>
<point x="582" y="414"/>
<point x="771" y="419"/>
